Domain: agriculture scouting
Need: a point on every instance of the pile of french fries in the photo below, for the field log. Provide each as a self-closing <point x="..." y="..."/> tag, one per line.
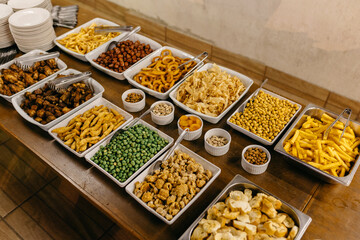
<point x="329" y="154"/>
<point x="88" y="128"/>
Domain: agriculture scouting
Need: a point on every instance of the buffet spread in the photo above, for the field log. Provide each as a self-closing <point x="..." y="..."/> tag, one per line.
<point x="135" y="155"/>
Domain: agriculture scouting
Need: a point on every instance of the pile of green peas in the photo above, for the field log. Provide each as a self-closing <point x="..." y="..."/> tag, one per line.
<point x="128" y="151"/>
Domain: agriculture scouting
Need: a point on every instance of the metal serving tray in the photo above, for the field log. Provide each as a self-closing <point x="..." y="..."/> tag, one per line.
<point x="253" y="135"/>
<point x="240" y="183"/>
<point x="90" y="154"/>
<point x="316" y="111"/>
<point x="206" y="164"/>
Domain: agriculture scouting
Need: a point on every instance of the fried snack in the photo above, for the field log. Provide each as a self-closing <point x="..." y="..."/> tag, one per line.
<point x="14" y="79"/>
<point x="173" y="186"/>
<point x="86" y="40"/>
<point x="163" y="72"/>
<point x="45" y="104"/>
<point x="210" y="92"/>
<point x="87" y="129"/>
<point x="244" y="215"/>
<point x="329" y="155"/>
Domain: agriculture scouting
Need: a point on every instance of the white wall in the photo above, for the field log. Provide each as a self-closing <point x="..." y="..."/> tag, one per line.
<point x="315" y="40"/>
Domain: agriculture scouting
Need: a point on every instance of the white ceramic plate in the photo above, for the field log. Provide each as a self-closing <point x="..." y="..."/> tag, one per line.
<point x="100" y="101"/>
<point x="16" y="101"/>
<point x="131" y="72"/>
<point x="244" y="79"/>
<point x="123" y="184"/>
<point x="22" y="4"/>
<point x="29" y="18"/>
<point x="5" y="11"/>
<point x="206" y="164"/>
<point x="97" y="21"/>
<point x="96" y="53"/>
<point x="62" y="66"/>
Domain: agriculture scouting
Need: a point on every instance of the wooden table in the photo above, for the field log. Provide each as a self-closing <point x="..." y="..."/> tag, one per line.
<point x="334" y="208"/>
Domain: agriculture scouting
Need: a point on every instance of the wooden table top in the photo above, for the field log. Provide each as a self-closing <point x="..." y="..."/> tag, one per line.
<point x="334" y="208"/>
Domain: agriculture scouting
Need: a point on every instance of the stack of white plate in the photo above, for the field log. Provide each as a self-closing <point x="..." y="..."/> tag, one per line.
<point x="32" y="29"/>
<point x="3" y="1"/>
<point x="24" y="4"/>
<point x="6" y="38"/>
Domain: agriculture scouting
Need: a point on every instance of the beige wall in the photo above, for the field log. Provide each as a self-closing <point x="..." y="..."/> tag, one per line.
<point x="317" y="41"/>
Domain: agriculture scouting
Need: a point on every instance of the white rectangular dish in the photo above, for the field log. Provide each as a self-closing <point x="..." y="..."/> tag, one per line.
<point x="101" y="49"/>
<point x="244" y="79"/>
<point x="16" y="101"/>
<point x="131" y="72"/>
<point x="90" y="154"/>
<point x="61" y="65"/>
<point x="100" y="101"/>
<point x="252" y="135"/>
<point x="97" y="21"/>
<point x="141" y="177"/>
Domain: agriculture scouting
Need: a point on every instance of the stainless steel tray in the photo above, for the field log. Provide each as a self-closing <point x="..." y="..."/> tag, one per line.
<point x="316" y="111"/>
<point x="240" y="183"/>
<point x="253" y="135"/>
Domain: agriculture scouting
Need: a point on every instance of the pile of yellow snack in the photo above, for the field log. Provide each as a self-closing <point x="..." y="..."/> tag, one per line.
<point x="87" y="129"/>
<point x="86" y="40"/>
<point x="244" y="216"/>
<point x="330" y="155"/>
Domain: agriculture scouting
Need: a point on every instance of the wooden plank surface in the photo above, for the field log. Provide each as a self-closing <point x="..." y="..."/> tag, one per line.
<point x="282" y="179"/>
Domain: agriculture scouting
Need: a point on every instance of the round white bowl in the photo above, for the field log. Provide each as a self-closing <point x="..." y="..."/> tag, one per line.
<point x="191" y="135"/>
<point x="217" y="151"/>
<point x="133" y="107"/>
<point x="162" y="120"/>
<point x="253" y="168"/>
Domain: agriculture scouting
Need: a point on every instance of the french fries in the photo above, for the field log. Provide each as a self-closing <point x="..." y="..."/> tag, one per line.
<point x="86" y="40"/>
<point x="87" y="129"/>
<point x="327" y="154"/>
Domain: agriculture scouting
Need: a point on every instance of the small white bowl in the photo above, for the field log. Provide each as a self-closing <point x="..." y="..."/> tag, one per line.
<point x="163" y="120"/>
<point x="217" y="151"/>
<point x="133" y="107"/>
<point x="253" y="168"/>
<point x="191" y="135"/>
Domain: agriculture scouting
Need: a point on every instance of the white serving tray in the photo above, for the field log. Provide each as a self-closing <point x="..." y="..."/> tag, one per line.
<point x="141" y="177"/>
<point x="61" y="65"/>
<point x="97" y="21"/>
<point x="253" y="135"/>
<point x="244" y="79"/>
<point x="90" y="154"/>
<point x="101" y="49"/>
<point x="16" y="101"/>
<point x="100" y="101"/>
<point x="131" y="72"/>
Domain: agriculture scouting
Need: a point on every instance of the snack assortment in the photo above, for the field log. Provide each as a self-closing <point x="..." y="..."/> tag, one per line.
<point x="123" y="56"/>
<point x="244" y="215"/>
<point x="191" y="122"/>
<point x="164" y="71"/>
<point x="129" y="151"/>
<point x="327" y="154"/>
<point x="162" y="109"/>
<point x="87" y="129"/>
<point x="210" y="92"/>
<point x="170" y="188"/>
<point x="217" y="141"/>
<point x="86" y="39"/>
<point x="45" y="104"/>
<point x="14" y="79"/>
<point x="134" y="97"/>
<point x="265" y="115"/>
<point x="255" y="156"/>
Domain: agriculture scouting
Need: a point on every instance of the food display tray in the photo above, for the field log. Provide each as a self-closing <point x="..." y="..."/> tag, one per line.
<point x="97" y="21"/>
<point x="253" y="135"/>
<point x="141" y="177"/>
<point x="100" y="101"/>
<point x="90" y="154"/>
<point x="244" y="79"/>
<point x="316" y="112"/>
<point x="16" y="101"/>
<point x="240" y="183"/>
<point x="101" y="49"/>
<point x="131" y="72"/>
<point x="61" y="65"/>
